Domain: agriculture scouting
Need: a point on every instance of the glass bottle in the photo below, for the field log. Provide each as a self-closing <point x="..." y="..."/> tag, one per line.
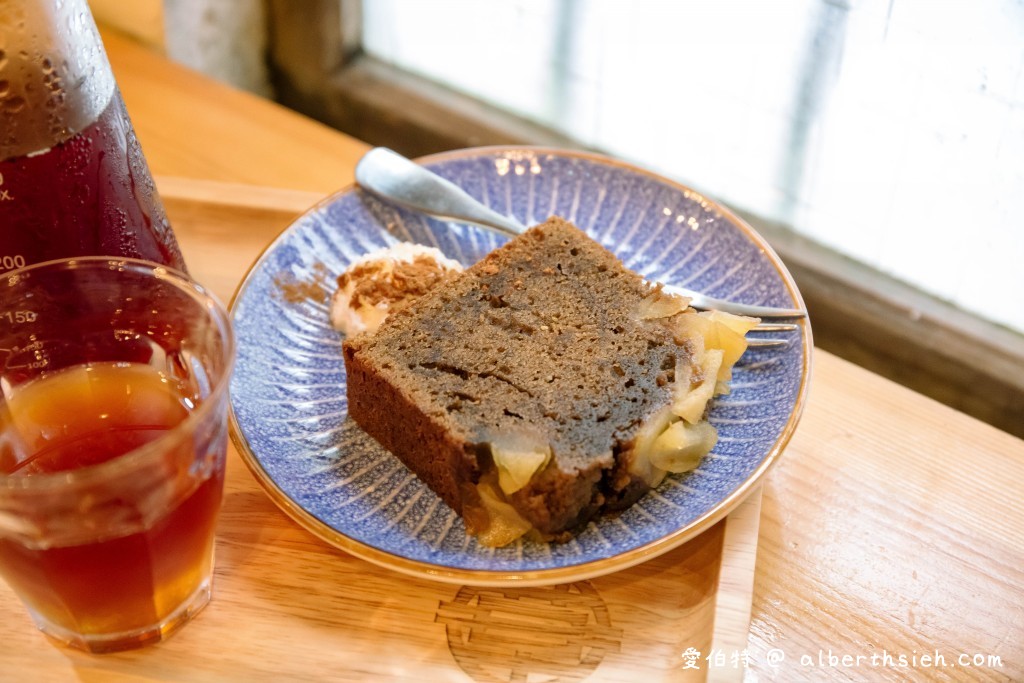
<point x="73" y="180"/>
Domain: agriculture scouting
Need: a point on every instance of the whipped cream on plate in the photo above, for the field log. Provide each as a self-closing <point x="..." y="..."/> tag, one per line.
<point x="377" y="283"/>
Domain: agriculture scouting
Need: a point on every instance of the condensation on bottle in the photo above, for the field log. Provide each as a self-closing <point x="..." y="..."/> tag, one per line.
<point x="73" y="179"/>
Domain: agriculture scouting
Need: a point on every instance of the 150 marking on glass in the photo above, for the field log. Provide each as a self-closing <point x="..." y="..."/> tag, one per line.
<point x="18" y="317"/>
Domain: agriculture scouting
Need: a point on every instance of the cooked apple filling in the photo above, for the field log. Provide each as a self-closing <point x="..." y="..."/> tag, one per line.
<point x="673" y="440"/>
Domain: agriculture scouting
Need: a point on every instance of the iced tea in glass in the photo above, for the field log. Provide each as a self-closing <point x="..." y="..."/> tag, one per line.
<point x="113" y="398"/>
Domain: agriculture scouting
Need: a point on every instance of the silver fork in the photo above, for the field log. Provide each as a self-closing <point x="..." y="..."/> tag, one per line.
<point x="398" y="180"/>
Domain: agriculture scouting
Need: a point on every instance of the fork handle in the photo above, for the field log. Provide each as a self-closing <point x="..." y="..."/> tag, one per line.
<point x="393" y="178"/>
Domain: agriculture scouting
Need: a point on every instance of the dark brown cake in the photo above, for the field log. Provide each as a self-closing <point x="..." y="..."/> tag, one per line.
<point x="541" y="347"/>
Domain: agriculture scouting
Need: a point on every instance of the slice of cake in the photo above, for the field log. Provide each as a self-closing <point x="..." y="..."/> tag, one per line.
<point x="543" y="385"/>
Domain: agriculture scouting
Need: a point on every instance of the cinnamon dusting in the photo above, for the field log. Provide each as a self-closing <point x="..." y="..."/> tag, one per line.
<point x="408" y="280"/>
<point x="297" y="291"/>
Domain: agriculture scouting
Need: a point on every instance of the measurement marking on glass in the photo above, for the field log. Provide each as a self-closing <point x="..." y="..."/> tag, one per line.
<point x="9" y="261"/>
<point x="19" y="317"/>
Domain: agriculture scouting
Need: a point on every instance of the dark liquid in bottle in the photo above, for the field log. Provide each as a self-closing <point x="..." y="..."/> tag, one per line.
<point x="91" y="194"/>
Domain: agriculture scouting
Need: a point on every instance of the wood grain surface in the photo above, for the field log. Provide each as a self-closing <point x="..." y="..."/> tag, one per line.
<point x="891" y="527"/>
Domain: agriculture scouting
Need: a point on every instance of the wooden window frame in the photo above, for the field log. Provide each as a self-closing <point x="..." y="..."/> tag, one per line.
<point x="319" y="67"/>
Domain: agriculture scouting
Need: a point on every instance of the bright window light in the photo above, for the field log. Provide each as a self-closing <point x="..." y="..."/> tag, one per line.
<point x="890" y="131"/>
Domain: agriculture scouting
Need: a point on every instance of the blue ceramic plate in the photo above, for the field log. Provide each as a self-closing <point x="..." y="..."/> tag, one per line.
<point x="288" y="392"/>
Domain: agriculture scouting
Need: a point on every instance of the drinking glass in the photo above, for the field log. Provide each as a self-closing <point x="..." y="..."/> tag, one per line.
<point x="113" y="399"/>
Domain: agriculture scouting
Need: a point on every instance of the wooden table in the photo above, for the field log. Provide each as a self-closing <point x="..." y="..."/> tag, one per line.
<point x="892" y="527"/>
